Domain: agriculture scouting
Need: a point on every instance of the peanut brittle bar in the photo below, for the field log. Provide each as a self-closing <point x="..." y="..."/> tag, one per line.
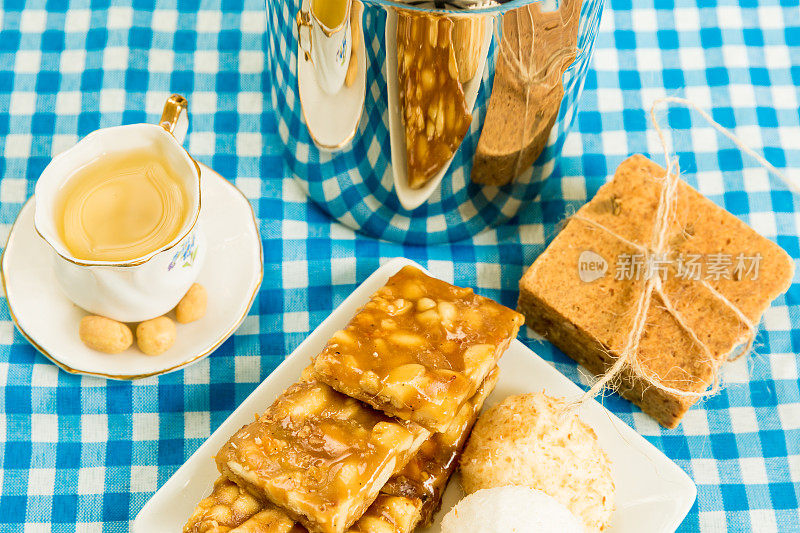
<point x="410" y="497"/>
<point x="387" y="514"/>
<point x="419" y="349"/>
<point x="231" y="509"/>
<point x="425" y="477"/>
<point x="319" y="455"/>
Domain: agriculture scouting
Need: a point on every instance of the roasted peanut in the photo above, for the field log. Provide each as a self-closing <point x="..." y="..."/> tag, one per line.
<point x="428" y="79"/>
<point x="448" y="311"/>
<point x="105" y="335"/>
<point x="343" y="337"/>
<point x="348" y="474"/>
<point x="423" y="304"/>
<point x="406" y="339"/>
<point x="433" y="34"/>
<point x="245" y="507"/>
<point x="349" y="410"/>
<point x="429" y="318"/>
<point x="439" y="126"/>
<point x="413" y="290"/>
<point x="453" y="67"/>
<point x="422" y="148"/>
<point x="370" y="382"/>
<point x="221" y="513"/>
<point x="399" y="306"/>
<point x="311" y="402"/>
<point x="391" y="435"/>
<point x="227" y="494"/>
<point x="155" y="336"/>
<point x="405" y="373"/>
<point x="479" y="356"/>
<point x="402" y="393"/>
<point x="193" y="304"/>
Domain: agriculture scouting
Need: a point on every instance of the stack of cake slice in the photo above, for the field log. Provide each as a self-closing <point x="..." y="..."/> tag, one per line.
<point x="367" y="439"/>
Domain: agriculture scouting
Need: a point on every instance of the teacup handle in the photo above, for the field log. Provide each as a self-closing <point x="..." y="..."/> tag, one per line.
<point x="303" y="20"/>
<point x="175" y="118"/>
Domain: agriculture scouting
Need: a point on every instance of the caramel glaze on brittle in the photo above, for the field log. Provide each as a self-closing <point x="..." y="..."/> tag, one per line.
<point x="218" y="513"/>
<point x="321" y="456"/>
<point x="426" y="475"/>
<point x="432" y="99"/>
<point x="409" y="499"/>
<point x="419" y="349"/>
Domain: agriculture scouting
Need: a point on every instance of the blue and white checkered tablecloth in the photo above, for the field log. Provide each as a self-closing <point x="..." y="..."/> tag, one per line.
<point x="87" y="451"/>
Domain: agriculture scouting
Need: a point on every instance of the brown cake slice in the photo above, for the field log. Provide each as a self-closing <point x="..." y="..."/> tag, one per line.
<point x="589" y="318"/>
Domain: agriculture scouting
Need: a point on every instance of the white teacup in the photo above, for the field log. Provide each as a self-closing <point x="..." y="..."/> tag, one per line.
<point x="328" y="49"/>
<point x="144" y="287"/>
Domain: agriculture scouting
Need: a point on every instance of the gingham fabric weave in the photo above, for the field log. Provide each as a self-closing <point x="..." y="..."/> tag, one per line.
<point x="79" y="450"/>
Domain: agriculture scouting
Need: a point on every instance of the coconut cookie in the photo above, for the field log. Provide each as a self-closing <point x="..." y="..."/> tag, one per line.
<point x="523" y="441"/>
<point x="511" y="509"/>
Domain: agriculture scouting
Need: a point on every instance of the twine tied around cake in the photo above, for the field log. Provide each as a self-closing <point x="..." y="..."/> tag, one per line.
<point x="659" y="246"/>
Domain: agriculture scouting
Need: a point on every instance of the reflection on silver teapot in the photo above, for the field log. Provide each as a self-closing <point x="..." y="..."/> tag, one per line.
<point x="324" y="34"/>
<point x="435" y="122"/>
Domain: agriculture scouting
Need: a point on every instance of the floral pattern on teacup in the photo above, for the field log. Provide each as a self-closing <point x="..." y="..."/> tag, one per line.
<point x="340" y="53"/>
<point x="185" y="255"/>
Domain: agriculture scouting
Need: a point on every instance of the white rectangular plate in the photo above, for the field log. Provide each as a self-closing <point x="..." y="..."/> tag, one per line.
<point x="653" y="493"/>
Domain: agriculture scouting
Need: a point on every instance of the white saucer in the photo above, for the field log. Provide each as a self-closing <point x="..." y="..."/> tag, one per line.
<point x="232" y="275"/>
<point x="413" y="198"/>
<point x="332" y="119"/>
<point x="653" y="494"/>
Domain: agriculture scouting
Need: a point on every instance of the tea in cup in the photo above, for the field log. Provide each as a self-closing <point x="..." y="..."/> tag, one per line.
<point x="120" y="211"/>
<point x="121" y="206"/>
<point x="324" y="34"/>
